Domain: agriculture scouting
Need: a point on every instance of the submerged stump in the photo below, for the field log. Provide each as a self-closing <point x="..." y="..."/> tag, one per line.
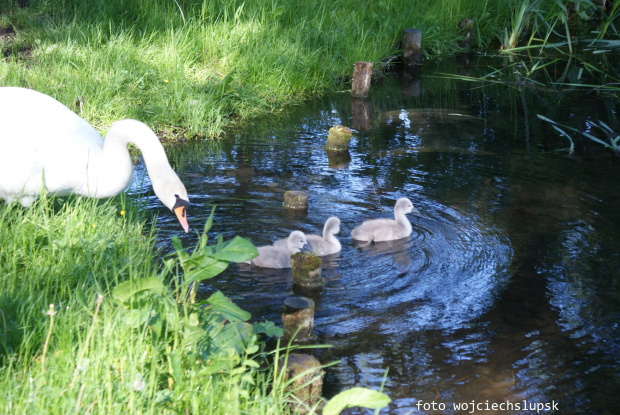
<point x="298" y="318"/>
<point x="412" y="45"/>
<point x="307" y="376"/>
<point x="295" y="199"/>
<point x="338" y="138"/>
<point x="306" y="267"/>
<point x="362" y="75"/>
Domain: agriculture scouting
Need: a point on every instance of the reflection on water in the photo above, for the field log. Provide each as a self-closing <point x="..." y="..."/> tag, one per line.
<point x="508" y="288"/>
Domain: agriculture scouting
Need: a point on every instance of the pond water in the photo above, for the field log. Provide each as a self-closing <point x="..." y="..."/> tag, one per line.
<point x="508" y="289"/>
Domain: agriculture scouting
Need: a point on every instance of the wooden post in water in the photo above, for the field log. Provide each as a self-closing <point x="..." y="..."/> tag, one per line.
<point x="412" y="45"/>
<point x="295" y="199"/>
<point x="309" y="383"/>
<point x="306" y="267"/>
<point x="362" y="74"/>
<point x="298" y="318"/>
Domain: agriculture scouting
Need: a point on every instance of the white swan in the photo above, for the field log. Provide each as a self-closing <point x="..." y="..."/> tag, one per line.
<point x="328" y="244"/>
<point x="278" y="257"/>
<point x="378" y="230"/>
<point x="44" y="146"/>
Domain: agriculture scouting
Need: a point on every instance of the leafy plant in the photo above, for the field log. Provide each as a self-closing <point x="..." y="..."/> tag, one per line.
<point x="208" y="336"/>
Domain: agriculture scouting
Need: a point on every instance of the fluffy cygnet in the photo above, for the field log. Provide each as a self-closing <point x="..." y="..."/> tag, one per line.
<point x="379" y="230"/>
<point x="278" y="256"/>
<point x="327" y="244"/>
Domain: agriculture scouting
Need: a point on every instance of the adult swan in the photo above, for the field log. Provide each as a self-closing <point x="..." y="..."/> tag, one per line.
<point x="44" y="146"/>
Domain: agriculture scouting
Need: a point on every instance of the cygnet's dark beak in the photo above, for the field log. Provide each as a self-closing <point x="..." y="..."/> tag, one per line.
<point x="306" y="248"/>
<point x="415" y="212"/>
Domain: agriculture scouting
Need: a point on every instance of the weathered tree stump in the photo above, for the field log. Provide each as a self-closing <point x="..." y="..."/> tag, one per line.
<point x="338" y="138"/>
<point x="412" y="46"/>
<point x="360" y="109"/>
<point x="298" y="318"/>
<point x="306" y="267"/>
<point x="307" y="385"/>
<point x="362" y="75"/>
<point x="295" y="199"/>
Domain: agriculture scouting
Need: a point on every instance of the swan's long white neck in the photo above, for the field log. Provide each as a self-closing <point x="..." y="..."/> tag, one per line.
<point x="111" y="171"/>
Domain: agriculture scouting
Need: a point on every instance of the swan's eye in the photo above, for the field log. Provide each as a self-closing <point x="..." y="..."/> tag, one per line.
<point x="180" y="202"/>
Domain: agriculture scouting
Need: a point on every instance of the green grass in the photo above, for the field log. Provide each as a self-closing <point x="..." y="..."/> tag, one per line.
<point x="90" y="352"/>
<point x="192" y="67"/>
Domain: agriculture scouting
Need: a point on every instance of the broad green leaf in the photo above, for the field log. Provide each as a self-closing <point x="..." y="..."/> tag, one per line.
<point x="177" y="371"/>
<point x="268" y="328"/>
<point x="193" y="335"/>
<point x="138" y="317"/>
<point x="217" y="366"/>
<point x="176" y="243"/>
<point x="233" y="336"/>
<point x="251" y="363"/>
<point x="237" y="250"/>
<point x="128" y="289"/>
<point x="203" y="268"/>
<point x="362" y="397"/>
<point x="229" y="310"/>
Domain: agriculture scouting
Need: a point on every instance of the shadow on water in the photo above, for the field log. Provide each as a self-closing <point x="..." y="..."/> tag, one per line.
<point x="507" y="289"/>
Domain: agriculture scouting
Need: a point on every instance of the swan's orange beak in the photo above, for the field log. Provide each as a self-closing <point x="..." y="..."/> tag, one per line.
<point x="180" y="212"/>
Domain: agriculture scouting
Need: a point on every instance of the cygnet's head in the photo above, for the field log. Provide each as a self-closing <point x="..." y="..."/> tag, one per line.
<point x="404" y="205"/>
<point x="296" y="242"/>
<point x="332" y="225"/>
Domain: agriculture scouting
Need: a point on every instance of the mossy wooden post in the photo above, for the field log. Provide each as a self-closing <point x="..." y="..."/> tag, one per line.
<point x="295" y="199"/>
<point x="338" y="138"/>
<point x="307" y="385"/>
<point x="412" y="46"/>
<point x="298" y="318"/>
<point x="306" y="267"/>
<point x="362" y="74"/>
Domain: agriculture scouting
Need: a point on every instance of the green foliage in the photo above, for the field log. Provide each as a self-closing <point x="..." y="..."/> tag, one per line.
<point x="89" y="324"/>
<point x="557" y="24"/>
<point x="363" y="397"/>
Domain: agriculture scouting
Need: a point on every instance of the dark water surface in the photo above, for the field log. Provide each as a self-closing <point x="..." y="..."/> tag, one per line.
<point x="509" y="287"/>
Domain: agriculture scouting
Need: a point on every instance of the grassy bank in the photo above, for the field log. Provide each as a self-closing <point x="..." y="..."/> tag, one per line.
<point x="191" y="67"/>
<point x="90" y="352"/>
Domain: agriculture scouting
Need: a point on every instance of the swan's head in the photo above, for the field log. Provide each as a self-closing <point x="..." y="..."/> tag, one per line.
<point x="296" y="242"/>
<point x="404" y="205"/>
<point x="173" y="195"/>
<point x="332" y="225"/>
